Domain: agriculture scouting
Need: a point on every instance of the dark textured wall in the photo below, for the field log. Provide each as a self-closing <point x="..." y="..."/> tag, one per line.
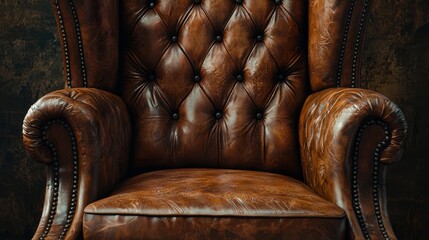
<point x="396" y="63"/>
<point x="30" y="65"/>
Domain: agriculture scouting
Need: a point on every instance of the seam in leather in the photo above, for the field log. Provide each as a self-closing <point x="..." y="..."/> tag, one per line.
<point x="80" y="44"/>
<point x="358" y="43"/>
<point x="64" y="41"/>
<point x="343" y="44"/>
<point x="287" y="12"/>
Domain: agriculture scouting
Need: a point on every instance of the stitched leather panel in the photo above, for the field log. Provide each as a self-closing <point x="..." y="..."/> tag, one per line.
<point x="143" y="227"/>
<point x="83" y="172"/>
<point x="214" y="192"/>
<point x="210" y="84"/>
<point x="210" y="204"/>
<point x="329" y="129"/>
<point x="329" y="123"/>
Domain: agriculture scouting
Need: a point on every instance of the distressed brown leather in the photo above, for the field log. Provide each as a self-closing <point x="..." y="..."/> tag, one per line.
<point x="213" y="228"/>
<point x="214" y="192"/>
<point x="239" y="77"/>
<point x="186" y="198"/>
<point x="217" y="84"/>
<point x="329" y="125"/>
<point x="336" y="35"/>
<point x="101" y="128"/>
<point x="89" y="36"/>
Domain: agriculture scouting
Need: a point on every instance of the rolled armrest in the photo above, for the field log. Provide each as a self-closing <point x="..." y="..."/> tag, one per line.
<point x="347" y="136"/>
<point x="83" y="136"/>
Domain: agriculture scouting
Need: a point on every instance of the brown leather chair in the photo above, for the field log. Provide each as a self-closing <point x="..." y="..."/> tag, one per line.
<point x="213" y="119"/>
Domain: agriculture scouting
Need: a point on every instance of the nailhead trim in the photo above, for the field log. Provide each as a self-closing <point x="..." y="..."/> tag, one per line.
<point x="80" y="43"/>
<point x="343" y="44"/>
<point x="55" y="162"/>
<point x="356" y="50"/>
<point x="375" y="181"/>
<point x="65" y="44"/>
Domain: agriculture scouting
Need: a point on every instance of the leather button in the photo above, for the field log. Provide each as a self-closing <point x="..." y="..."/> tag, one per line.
<point x="240" y="77"/>
<point x="175" y="116"/>
<point x="197" y="78"/>
<point x="218" y="38"/>
<point x="151" y="77"/>
<point x="151" y="5"/>
<point x="218" y="115"/>
<point x="174" y="39"/>
<point x="259" y="38"/>
<point x="278" y="2"/>
<point x="239" y="1"/>
<point x="197" y="1"/>
<point x="280" y="77"/>
<point x="259" y="116"/>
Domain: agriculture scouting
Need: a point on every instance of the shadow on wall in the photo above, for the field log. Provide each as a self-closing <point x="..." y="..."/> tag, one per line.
<point x="408" y="181"/>
<point x="30" y="66"/>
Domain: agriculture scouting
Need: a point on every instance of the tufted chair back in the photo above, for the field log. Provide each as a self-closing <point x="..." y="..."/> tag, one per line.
<point x="230" y="85"/>
<point x="214" y="83"/>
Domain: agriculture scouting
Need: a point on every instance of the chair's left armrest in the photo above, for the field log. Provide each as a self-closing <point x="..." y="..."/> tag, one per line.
<point x="347" y="136"/>
<point x="83" y="135"/>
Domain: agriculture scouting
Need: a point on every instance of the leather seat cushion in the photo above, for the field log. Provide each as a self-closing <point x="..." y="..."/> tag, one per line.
<point x="213" y="203"/>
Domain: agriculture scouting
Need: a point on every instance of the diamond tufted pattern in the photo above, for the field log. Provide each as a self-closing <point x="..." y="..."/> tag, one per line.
<point x="216" y="86"/>
<point x="210" y="83"/>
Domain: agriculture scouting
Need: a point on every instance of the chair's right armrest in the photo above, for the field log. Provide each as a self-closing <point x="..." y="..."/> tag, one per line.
<point x="348" y="137"/>
<point x="83" y="135"/>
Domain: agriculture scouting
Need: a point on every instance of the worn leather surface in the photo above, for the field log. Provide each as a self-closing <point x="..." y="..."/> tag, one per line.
<point x="215" y="83"/>
<point x="329" y="125"/>
<point x="214" y="192"/>
<point x="325" y="38"/>
<point x="101" y="127"/>
<point x="190" y="197"/>
<point x="144" y="227"/>
<point x="336" y="35"/>
<point x="89" y="33"/>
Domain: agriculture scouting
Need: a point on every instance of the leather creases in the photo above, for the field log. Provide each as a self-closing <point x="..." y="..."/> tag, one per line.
<point x="210" y="84"/>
